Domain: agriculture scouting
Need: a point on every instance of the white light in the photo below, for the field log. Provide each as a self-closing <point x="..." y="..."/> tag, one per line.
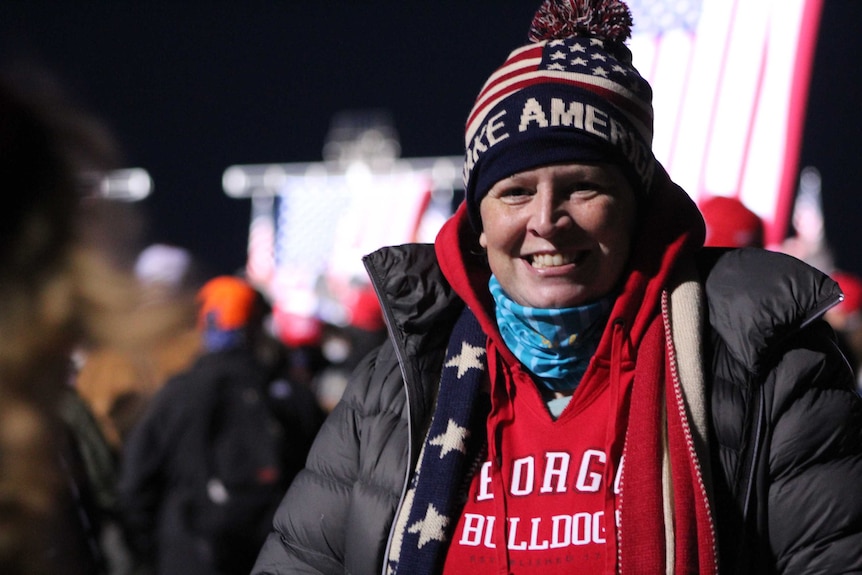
<point x="443" y="173"/>
<point x="358" y="175"/>
<point x="130" y="185"/>
<point x="274" y="177"/>
<point x="234" y="182"/>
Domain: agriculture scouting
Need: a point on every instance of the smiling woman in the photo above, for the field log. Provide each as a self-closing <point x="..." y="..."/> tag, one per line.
<point x="569" y="307"/>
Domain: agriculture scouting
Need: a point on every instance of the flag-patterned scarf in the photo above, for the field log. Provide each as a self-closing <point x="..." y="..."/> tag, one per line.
<point x="429" y="508"/>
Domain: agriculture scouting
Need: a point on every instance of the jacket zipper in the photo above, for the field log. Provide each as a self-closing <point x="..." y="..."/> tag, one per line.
<point x="401" y="355"/>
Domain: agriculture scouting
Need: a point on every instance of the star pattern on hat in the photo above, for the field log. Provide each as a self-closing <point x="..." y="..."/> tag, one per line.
<point x="469" y="358"/>
<point x="588" y="56"/>
<point x="431" y="527"/>
<point x="453" y="439"/>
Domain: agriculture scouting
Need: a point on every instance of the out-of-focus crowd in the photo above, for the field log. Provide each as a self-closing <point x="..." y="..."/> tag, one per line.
<point x="144" y="405"/>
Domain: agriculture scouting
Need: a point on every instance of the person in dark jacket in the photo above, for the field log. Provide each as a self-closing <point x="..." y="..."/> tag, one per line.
<point x="205" y="468"/>
<point x="572" y="382"/>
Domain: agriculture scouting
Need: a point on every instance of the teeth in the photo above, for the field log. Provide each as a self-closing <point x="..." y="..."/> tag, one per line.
<point x="550" y="260"/>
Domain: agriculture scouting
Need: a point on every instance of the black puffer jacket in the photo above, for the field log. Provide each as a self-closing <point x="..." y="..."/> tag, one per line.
<point x="785" y="418"/>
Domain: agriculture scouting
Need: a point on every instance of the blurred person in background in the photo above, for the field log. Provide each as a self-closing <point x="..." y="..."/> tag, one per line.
<point x="114" y="383"/>
<point x="117" y="383"/>
<point x="807" y="240"/>
<point x="204" y="469"/>
<point x="572" y="382"/>
<point x="62" y="285"/>
<point x="729" y="223"/>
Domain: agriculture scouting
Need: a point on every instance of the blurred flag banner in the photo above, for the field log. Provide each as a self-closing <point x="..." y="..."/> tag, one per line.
<point x="730" y="81"/>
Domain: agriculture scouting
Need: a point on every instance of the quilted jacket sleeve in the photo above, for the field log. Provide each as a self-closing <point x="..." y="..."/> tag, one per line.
<point x="787" y="420"/>
<point x="335" y="517"/>
<point x="815" y="460"/>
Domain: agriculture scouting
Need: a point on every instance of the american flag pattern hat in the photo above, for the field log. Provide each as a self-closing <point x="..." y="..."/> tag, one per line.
<point x="570" y="95"/>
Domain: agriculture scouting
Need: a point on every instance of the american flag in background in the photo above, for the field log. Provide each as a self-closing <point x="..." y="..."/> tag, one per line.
<point x="260" y="265"/>
<point x="730" y="81"/>
<point x="324" y="225"/>
<point x="312" y="223"/>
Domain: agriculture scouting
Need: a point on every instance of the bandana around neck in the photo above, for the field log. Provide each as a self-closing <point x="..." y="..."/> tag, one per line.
<point x="554" y="344"/>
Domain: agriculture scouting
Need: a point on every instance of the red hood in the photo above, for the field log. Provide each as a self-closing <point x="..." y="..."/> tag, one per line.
<point x="670" y="226"/>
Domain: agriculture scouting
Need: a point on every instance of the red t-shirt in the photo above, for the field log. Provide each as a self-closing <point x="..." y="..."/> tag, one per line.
<point x="558" y="488"/>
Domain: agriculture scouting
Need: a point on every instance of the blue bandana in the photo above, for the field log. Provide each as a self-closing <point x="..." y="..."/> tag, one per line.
<point x="554" y="344"/>
<point x="216" y="338"/>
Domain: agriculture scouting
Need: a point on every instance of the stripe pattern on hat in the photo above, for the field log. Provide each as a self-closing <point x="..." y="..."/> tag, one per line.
<point x="578" y="61"/>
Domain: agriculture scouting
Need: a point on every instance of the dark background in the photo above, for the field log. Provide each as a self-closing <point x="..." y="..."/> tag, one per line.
<point x="190" y="88"/>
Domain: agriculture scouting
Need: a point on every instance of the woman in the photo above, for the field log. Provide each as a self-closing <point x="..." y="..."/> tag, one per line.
<point x="572" y="383"/>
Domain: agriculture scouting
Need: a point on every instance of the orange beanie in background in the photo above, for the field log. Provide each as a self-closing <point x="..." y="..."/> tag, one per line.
<point x="227" y="305"/>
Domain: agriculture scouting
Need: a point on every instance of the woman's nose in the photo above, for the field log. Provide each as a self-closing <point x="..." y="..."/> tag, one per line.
<point x="548" y="217"/>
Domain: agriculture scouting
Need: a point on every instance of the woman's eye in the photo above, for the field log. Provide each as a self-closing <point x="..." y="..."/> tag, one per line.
<point x="585" y="188"/>
<point x="514" y="192"/>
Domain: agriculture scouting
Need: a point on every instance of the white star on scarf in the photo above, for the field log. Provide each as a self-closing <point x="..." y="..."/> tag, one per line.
<point x="467" y="359"/>
<point x="452" y="440"/>
<point x="431" y="527"/>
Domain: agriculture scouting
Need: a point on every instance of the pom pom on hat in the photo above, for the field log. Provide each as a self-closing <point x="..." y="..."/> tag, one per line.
<point x="571" y="95"/>
<point x="606" y="19"/>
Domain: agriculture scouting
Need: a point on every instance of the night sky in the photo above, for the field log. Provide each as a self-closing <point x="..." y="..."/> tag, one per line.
<point x="190" y="88"/>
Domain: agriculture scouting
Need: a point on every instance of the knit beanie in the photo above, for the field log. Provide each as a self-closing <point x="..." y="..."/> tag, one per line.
<point x="570" y="95"/>
<point x="227" y="308"/>
<point x="730" y="224"/>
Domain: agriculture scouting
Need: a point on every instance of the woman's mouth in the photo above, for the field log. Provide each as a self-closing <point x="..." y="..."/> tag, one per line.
<point x="543" y="261"/>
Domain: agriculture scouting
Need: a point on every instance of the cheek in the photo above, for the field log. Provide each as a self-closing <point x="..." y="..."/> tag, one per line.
<point x="498" y="252"/>
<point x="613" y="226"/>
<point x="500" y="234"/>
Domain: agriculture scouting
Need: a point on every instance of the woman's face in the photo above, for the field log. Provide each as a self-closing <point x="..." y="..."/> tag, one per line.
<point x="559" y="236"/>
